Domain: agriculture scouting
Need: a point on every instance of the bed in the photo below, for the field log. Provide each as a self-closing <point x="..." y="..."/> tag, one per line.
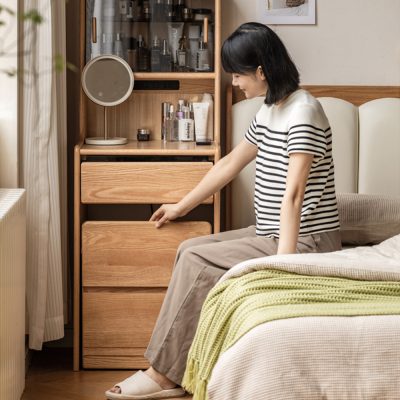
<point x="327" y="357"/>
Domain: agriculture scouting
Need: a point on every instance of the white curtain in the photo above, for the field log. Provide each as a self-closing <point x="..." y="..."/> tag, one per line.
<point x="44" y="169"/>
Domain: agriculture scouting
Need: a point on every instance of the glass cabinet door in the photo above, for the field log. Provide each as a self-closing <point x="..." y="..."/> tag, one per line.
<point x="153" y="35"/>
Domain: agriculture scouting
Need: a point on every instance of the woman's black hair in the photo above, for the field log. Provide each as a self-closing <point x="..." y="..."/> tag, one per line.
<point x="253" y="45"/>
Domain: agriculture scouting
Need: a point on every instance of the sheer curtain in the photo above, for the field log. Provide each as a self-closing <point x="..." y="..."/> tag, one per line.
<point x="45" y="171"/>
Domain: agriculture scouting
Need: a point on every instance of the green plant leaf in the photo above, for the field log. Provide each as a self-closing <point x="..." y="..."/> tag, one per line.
<point x="6" y="9"/>
<point x="59" y="63"/>
<point x="33" y="15"/>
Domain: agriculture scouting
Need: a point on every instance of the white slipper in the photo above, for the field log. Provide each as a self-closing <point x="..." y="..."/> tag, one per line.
<point x="140" y="386"/>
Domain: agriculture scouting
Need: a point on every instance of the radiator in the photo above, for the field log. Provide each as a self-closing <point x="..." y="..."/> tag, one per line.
<point x="12" y="293"/>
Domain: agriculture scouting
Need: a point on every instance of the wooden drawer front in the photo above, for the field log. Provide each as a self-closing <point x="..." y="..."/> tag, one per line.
<point x="117" y="326"/>
<point x="140" y="182"/>
<point x="133" y="254"/>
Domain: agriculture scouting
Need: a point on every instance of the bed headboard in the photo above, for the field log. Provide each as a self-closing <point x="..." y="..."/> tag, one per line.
<point x="364" y="119"/>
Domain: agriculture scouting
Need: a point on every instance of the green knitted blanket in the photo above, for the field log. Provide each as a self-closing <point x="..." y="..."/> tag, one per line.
<point x="235" y="306"/>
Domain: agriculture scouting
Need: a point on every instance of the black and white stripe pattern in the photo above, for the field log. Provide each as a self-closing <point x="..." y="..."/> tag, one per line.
<point x="319" y="211"/>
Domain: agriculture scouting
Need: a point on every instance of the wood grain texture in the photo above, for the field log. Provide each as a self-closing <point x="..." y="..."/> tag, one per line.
<point x="77" y="255"/>
<point x="356" y="95"/>
<point x="50" y="377"/>
<point x="140" y="182"/>
<point x="133" y="254"/>
<point x="151" y="148"/>
<point x="121" y="320"/>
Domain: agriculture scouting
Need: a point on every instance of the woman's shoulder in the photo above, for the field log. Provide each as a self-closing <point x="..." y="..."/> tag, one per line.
<point x="302" y="97"/>
<point x="305" y="106"/>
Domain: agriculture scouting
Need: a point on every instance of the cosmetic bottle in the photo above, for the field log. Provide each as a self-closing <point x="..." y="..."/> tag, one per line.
<point x="175" y="30"/>
<point x="170" y="10"/>
<point x="208" y="134"/>
<point x="143" y="56"/>
<point x="164" y="120"/>
<point x="155" y="55"/>
<point x="137" y="10"/>
<point x="165" y="58"/>
<point x="118" y="49"/>
<point x="194" y="37"/>
<point x="186" y="127"/>
<point x="181" y="55"/>
<point x="146" y="11"/>
<point x="201" y="113"/>
<point x="172" y="125"/>
<point x="129" y="13"/>
<point x="132" y="54"/>
<point x="202" y="57"/>
<point x="159" y="12"/>
<point x="179" y="110"/>
<point x="143" y="135"/>
<point x="179" y="7"/>
<point x="123" y="7"/>
<point x="187" y="15"/>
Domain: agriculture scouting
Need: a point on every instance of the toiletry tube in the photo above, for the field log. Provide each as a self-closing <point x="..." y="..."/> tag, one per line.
<point x="207" y="98"/>
<point x="200" y="122"/>
<point x="175" y="30"/>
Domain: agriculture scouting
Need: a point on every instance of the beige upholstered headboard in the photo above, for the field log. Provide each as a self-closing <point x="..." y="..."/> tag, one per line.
<point x="365" y="124"/>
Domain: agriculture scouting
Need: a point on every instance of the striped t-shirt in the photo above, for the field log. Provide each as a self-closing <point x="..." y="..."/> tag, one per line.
<point x="298" y="125"/>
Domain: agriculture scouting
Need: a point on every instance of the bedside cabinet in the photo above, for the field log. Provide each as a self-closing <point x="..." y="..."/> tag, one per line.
<point x="123" y="264"/>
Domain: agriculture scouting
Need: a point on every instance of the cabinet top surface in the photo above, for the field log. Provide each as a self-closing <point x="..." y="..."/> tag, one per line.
<point x="152" y="147"/>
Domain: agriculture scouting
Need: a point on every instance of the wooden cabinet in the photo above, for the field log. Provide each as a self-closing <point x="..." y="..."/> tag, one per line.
<point x="126" y="268"/>
<point x="122" y="263"/>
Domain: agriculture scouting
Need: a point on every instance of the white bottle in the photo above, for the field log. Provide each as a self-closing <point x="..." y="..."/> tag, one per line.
<point x="186" y="127"/>
<point x="209" y="134"/>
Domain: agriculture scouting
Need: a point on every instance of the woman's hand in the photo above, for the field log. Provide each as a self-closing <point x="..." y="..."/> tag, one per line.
<point x="167" y="212"/>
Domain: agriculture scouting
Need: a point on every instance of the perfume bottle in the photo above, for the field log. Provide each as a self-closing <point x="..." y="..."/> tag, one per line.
<point x="186" y="126"/>
<point x="165" y="58"/>
<point x="202" y="57"/>
<point x="182" y="55"/>
<point x="179" y="7"/>
<point x="143" y="56"/>
<point x="155" y="55"/>
<point x="172" y="126"/>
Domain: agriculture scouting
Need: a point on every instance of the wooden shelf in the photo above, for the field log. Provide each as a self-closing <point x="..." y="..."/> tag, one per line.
<point x="173" y="75"/>
<point x="152" y="147"/>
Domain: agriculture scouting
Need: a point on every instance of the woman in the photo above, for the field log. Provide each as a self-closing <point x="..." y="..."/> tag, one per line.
<point x="295" y="201"/>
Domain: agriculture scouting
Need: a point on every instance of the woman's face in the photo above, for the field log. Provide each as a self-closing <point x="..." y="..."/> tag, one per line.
<point x="253" y="85"/>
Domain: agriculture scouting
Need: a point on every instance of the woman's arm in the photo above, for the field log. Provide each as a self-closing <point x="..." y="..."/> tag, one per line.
<point x="216" y="178"/>
<point x="296" y="181"/>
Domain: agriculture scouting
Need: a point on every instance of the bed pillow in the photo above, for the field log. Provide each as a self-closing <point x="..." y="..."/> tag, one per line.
<point x="368" y="218"/>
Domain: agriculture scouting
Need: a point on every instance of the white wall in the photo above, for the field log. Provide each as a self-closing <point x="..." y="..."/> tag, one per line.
<point x="8" y="102"/>
<point x="354" y="42"/>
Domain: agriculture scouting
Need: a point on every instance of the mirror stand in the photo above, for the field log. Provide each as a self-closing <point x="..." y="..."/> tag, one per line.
<point x="108" y="81"/>
<point x="106" y="141"/>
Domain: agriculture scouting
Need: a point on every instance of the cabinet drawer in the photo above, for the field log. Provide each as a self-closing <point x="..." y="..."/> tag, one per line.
<point x="133" y="254"/>
<point x="117" y="326"/>
<point x="140" y="182"/>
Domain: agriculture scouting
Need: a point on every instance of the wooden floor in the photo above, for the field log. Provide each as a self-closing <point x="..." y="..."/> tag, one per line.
<point x="50" y="377"/>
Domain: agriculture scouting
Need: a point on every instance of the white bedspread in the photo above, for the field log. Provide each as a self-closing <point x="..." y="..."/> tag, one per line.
<point x="330" y="358"/>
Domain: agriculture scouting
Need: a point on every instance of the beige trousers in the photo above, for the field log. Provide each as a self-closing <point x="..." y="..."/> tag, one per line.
<point x="199" y="264"/>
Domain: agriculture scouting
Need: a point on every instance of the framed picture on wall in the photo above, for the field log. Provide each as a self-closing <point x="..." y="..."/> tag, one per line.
<point x="273" y="12"/>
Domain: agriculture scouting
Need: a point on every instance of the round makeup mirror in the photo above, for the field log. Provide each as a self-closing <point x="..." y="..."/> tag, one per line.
<point x="108" y="81"/>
